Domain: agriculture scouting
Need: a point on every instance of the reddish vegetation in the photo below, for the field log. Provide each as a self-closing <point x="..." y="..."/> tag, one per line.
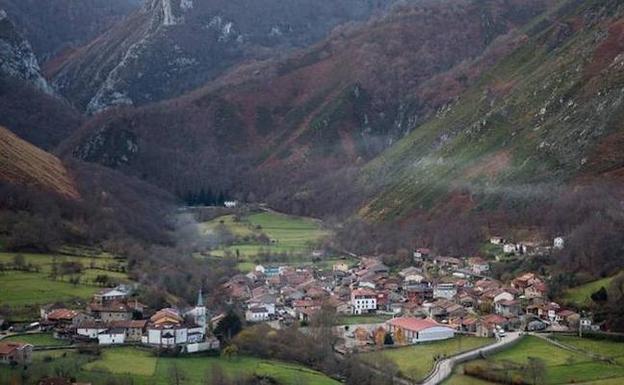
<point x="490" y="166"/>
<point x="610" y="48"/>
<point x="23" y="163"/>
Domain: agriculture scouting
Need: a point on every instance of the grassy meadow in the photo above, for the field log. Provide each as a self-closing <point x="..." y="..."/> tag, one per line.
<point x="580" y="296"/>
<point x="33" y="283"/>
<point x="561" y="366"/>
<point x="37" y="339"/>
<point x="142" y="367"/>
<point x="287" y="239"/>
<point x="416" y="362"/>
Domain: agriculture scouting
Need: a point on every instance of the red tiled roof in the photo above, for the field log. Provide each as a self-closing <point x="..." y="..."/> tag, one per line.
<point x="363" y="291"/>
<point x="414" y="324"/>
<point x="62" y="314"/>
<point x="495" y="319"/>
<point x="10" y="347"/>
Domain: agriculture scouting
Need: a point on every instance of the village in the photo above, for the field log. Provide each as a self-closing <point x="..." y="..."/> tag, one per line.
<point x="373" y="307"/>
<point x="434" y="299"/>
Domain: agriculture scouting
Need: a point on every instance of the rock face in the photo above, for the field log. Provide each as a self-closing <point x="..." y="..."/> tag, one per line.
<point x="17" y="60"/>
<point x="169" y="47"/>
<point x="54" y="25"/>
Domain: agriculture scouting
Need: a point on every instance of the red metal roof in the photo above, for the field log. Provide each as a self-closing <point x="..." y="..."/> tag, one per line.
<point x="415" y="324"/>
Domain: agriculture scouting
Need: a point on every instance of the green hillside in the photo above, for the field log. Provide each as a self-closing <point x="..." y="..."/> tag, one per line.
<point x="535" y="118"/>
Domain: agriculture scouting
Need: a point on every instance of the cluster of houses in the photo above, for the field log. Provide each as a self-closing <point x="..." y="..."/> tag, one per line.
<point x="113" y="317"/>
<point x="436" y="296"/>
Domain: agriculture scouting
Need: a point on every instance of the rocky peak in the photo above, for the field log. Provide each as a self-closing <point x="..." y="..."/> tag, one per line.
<point x="17" y="59"/>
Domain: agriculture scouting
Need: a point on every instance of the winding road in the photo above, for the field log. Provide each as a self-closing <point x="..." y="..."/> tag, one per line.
<point x="444" y="368"/>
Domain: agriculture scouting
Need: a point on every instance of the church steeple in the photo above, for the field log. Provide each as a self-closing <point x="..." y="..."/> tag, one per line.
<point x="200" y="299"/>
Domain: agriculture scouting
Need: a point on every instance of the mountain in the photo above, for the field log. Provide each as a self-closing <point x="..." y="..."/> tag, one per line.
<point x="55" y="25"/>
<point x="547" y="117"/>
<point x="28" y="105"/>
<point x="18" y="59"/>
<point x="46" y="203"/>
<point x="305" y="121"/>
<point x="25" y="164"/>
<point x="169" y="47"/>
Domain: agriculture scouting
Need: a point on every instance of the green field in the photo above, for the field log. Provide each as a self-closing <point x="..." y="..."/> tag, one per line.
<point x="562" y="366"/>
<point x="38" y="339"/>
<point x="23" y="291"/>
<point x="20" y="289"/>
<point x="289" y="238"/>
<point x="416" y="362"/>
<point x="607" y="349"/>
<point x="580" y="296"/>
<point x="141" y="367"/>
<point x="362" y="319"/>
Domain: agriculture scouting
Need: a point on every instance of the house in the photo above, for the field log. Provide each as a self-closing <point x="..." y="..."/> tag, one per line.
<point x="479" y="266"/>
<point x="266" y="301"/>
<point x="421" y="254"/>
<point x="230" y="204"/>
<point x="118" y="294"/>
<point x="507" y="308"/>
<point x="257" y="314"/>
<point x="15" y="353"/>
<point x="112" y="311"/>
<point x="62" y="319"/>
<point x="568" y="318"/>
<point x="447" y="262"/>
<point x="168" y="329"/>
<point x="509" y="248"/>
<point x="363" y="301"/>
<point x="487" y="326"/>
<point x="496" y="240"/>
<point x="410" y="330"/>
<point x="559" y="243"/>
<point x="112" y="336"/>
<point x="419" y="293"/>
<point x="444" y="290"/>
<point x="503" y="295"/>
<point x="412" y="274"/>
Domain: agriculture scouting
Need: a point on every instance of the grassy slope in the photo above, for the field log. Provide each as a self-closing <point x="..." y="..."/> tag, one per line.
<point x="563" y="366"/>
<point x="20" y="289"/>
<point x="293" y="235"/>
<point x="143" y="368"/>
<point x="417" y="361"/>
<point x="511" y="129"/>
<point x="581" y="295"/>
<point x="21" y="162"/>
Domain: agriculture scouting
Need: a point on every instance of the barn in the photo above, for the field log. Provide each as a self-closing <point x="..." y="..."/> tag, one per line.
<point x="411" y="330"/>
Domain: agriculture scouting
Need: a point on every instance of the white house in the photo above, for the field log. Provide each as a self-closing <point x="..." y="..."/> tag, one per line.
<point x="257" y="314"/>
<point x="509" y="248"/>
<point x="91" y="329"/>
<point x="363" y="301"/>
<point x="114" y="336"/>
<point x="559" y="243"/>
<point x="503" y="296"/>
<point x="230" y="204"/>
<point x="415" y="330"/>
<point x="444" y="290"/>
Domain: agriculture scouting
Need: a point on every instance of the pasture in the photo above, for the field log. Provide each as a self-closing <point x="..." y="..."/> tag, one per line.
<point x="37" y="339"/>
<point x="580" y="296"/>
<point x="142" y="367"/>
<point x="267" y="237"/>
<point x="416" y="362"/>
<point x="561" y="366"/>
<point x="28" y="280"/>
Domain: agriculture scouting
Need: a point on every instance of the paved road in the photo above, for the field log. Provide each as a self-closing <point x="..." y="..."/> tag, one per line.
<point x="444" y="368"/>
